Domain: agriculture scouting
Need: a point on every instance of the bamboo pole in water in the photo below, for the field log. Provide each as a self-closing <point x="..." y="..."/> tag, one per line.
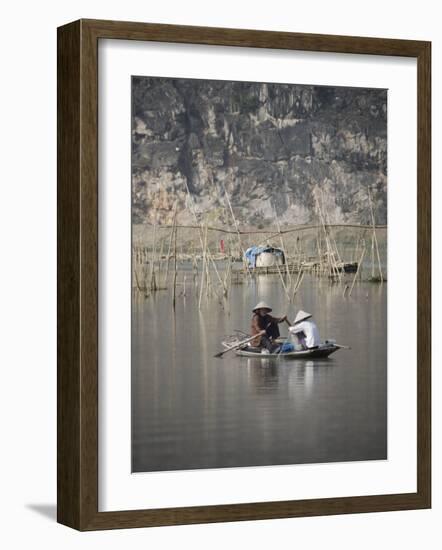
<point x="152" y="283"/>
<point x="215" y="267"/>
<point x="160" y="261"/>
<point x="286" y="290"/>
<point x="241" y="249"/>
<point x="298" y="282"/>
<point x="137" y="281"/>
<point x="334" y="247"/>
<point x="374" y="236"/>
<point x="169" y="249"/>
<point x="357" y="271"/>
<point x="175" y="271"/>
<point x="332" y="236"/>
<point x="318" y="244"/>
<point x="203" y="270"/>
<point x="333" y="271"/>
<point x="283" y="248"/>
<point x="355" y="254"/>
<point x="195" y="269"/>
<point x="228" y="276"/>
<point x="203" y="232"/>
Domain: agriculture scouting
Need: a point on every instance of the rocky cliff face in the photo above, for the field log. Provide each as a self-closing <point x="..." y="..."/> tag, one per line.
<point x="274" y="149"/>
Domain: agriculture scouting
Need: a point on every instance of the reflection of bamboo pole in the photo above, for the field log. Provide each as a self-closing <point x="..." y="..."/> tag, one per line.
<point x="374" y="236"/>
<point x="357" y="271"/>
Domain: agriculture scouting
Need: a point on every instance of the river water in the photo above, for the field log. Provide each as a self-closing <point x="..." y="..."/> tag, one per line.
<point x="191" y="410"/>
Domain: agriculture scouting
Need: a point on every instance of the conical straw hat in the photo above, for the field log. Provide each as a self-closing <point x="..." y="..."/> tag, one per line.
<point x="262" y="305"/>
<point x="302" y="316"/>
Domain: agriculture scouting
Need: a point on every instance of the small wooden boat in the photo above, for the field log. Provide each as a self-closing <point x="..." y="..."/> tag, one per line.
<point x="322" y="351"/>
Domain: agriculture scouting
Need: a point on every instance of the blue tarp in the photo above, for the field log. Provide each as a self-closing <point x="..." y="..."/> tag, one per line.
<point x="254" y="251"/>
<point x="286" y="347"/>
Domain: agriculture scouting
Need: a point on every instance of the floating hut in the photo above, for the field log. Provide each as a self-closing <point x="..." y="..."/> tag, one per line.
<point x="264" y="256"/>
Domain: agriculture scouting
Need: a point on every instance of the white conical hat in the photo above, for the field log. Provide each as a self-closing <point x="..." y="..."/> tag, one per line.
<point x="262" y="305"/>
<point x="302" y="316"/>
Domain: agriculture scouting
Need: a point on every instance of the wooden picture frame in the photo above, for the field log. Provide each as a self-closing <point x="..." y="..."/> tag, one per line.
<point x="77" y="460"/>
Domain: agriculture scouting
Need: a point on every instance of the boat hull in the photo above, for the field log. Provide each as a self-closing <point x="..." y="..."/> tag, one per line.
<point x="317" y="353"/>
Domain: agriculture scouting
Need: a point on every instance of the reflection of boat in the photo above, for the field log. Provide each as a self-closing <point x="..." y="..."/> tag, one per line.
<point x="322" y="351"/>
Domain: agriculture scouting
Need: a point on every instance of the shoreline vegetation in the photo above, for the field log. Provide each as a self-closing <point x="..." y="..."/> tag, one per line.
<point x="205" y="260"/>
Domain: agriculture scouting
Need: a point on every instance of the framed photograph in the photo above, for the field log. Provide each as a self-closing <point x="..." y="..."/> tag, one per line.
<point x="243" y="275"/>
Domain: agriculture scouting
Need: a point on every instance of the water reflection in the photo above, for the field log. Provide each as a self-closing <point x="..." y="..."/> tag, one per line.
<point x="190" y="410"/>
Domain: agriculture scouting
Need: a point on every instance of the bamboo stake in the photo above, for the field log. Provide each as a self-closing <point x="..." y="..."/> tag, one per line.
<point x="212" y="260"/>
<point x="298" y="283"/>
<point x="374" y="236"/>
<point x="282" y="246"/>
<point x="174" y="269"/>
<point x="357" y="271"/>
<point x="170" y="241"/>
<point x="203" y="271"/>
<point x="330" y="258"/>
<point x="209" y="285"/>
<point x="203" y="241"/>
<point x="356" y="250"/>
<point x="195" y="269"/>
<point x="242" y="251"/>
<point x="160" y="261"/>
<point x="152" y="283"/>
<point x="333" y="245"/>
<point x="283" y="282"/>
<point x="137" y="281"/>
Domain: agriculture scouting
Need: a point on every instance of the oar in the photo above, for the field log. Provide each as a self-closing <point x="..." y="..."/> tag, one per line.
<point x="236" y="346"/>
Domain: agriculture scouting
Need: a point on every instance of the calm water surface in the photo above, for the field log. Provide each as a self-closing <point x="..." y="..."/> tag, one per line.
<point x="190" y="410"/>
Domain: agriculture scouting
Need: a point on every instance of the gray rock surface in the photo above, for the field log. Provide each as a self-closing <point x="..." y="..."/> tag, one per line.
<point x="272" y="148"/>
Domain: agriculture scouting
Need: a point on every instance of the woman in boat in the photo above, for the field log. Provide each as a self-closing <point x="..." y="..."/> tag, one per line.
<point x="262" y="320"/>
<point x="306" y="330"/>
